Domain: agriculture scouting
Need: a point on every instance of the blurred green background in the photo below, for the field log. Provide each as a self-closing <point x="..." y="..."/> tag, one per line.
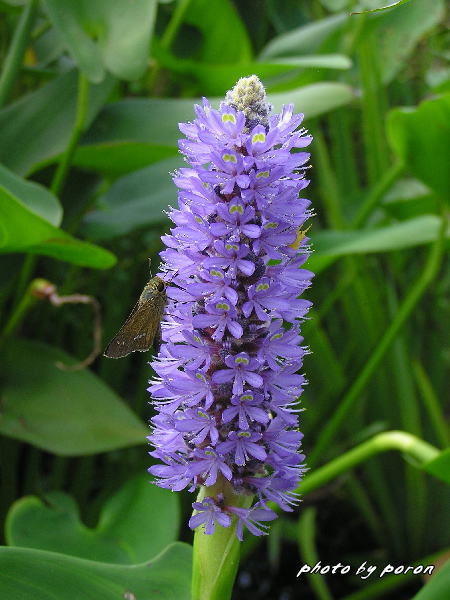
<point x="91" y="94"/>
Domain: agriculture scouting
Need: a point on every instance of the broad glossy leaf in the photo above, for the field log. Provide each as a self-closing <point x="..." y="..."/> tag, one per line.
<point x="218" y="78"/>
<point x="134" y="201"/>
<point x="36" y="128"/>
<point x="397" y="32"/>
<point x="438" y="585"/>
<point x="130" y="134"/>
<point x="381" y="8"/>
<point x="315" y="99"/>
<point x="22" y="230"/>
<point x="39" y="575"/>
<point x="109" y="35"/>
<point x="420" y="136"/>
<point x="303" y="40"/>
<point x="70" y="413"/>
<point x="440" y="466"/>
<point x="35" y="197"/>
<point x="138" y="522"/>
<point x="409" y="198"/>
<point x="225" y="38"/>
<point x="329" y="245"/>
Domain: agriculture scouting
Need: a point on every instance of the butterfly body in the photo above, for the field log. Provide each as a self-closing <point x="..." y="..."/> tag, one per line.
<point x="143" y="326"/>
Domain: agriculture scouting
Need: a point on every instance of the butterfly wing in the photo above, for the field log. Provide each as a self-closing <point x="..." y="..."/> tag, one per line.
<point x="138" y="331"/>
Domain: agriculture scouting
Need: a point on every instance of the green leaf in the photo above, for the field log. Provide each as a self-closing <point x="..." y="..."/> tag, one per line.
<point x="329" y="245"/>
<point x="420" y="137"/>
<point x="335" y="5"/>
<point x="373" y="10"/>
<point x="438" y="586"/>
<point x="22" y="230"/>
<point x="440" y="466"/>
<point x="36" y="128"/>
<point x="225" y="38"/>
<point x="134" y="201"/>
<point x="409" y="198"/>
<point x="106" y="34"/>
<point x="218" y="78"/>
<point x="303" y="40"/>
<point x="315" y="99"/>
<point x="397" y="32"/>
<point x="130" y="134"/>
<point x="39" y="575"/>
<point x="69" y="413"/>
<point x="138" y="522"/>
<point x="36" y="197"/>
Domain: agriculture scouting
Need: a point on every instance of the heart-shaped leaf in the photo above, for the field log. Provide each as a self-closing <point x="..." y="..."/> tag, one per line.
<point x="23" y="229"/>
<point x="106" y="34"/>
<point x="36" y="129"/>
<point x="420" y="137"/>
<point x="39" y="575"/>
<point x="38" y="199"/>
<point x="134" y="201"/>
<point x="304" y="39"/>
<point x="138" y="522"/>
<point x="70" y="413"/>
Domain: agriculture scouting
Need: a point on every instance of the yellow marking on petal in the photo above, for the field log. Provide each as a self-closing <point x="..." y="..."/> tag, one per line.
<point x="215" y="273"/>
<point x="245" y="434"/>
<point x="241" y="360"/>
<point x="228" y="117"/>
<point x="197" y="339"/>
<point x="264" y="174"/>
<point x="199" y="220"/>
<point x="200" y="376"/>
<point x="229" y="158"/>
<point x="259" y="137"/>
<point x="271" y="225"/>
<point x="262" y="287"/>
<point x="223" y="306"/>
<point x="202" y="414"/>
<point x="236" y="208"/>
<point x="301" y="233"/>
<point x="231" y="247"/>
<point x="246" y="397"/>
<point x="276" y="336"/>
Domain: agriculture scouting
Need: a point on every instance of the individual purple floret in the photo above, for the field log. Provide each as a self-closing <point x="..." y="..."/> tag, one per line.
<point x="228" y="382"/>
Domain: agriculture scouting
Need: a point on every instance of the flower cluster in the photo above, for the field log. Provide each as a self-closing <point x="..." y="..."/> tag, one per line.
<point x="228" y="384"/>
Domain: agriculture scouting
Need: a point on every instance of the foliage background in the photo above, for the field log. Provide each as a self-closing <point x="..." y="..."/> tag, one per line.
<point x="90" y="96"/>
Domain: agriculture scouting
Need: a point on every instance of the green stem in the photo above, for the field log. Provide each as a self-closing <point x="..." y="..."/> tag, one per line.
<point x="373" y="116"/>
<point x="328" y="184"/>
<point x="332" y="427"/>
<point x="14" y="58"/>
<point x="174" y="23"/>
<point x="216" y="556"/>
<point x="402" y="441"/>
<point x="80" y="122"/>
<point x="432" y="405"/>
<point x="22" y="307"/>
<point x="376" y="193"/>
<point x="308" y="552"/>
<point x="169" y="35"/>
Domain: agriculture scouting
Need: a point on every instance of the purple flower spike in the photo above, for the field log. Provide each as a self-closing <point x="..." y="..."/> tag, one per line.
<point x="228" y="379"/>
